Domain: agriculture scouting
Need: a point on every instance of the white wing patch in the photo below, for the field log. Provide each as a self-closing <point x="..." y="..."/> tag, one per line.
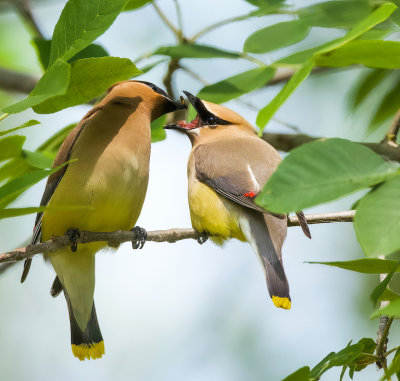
<point x="253" y="180"/>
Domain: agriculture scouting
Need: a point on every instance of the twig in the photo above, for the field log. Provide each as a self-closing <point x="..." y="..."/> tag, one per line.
<point x="194" y="75"/>
<point x="168" y="23"/>
<point x="217" y="25"/>
<point x="3" y="116"/>
<point x="391" y="136"/>
<point x="180" y="20"/>
<point x="383" y="331"/>
<point x="11" y="80"/>
<point x="173" y="66"/>
<point x="391" y="351"/>
<point x="170" y="235"/>
<point x="287" y="142"/>
<point x="25" y="11"/>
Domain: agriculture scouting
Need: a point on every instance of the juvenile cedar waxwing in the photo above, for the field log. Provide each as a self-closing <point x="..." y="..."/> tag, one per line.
<point x="109" y="170"/>
<point x="227" y="168"/>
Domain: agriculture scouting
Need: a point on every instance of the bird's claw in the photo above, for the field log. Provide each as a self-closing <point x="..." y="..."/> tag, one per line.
<point x="73" y="235"/>
<point x="202" y="238"/>
<point x="141" y="236"/>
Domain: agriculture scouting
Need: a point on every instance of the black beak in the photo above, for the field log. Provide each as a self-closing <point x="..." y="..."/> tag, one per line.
<point x="173" y="127"/>
<point x="176" y="105"/>
<point x="196" y="102"/>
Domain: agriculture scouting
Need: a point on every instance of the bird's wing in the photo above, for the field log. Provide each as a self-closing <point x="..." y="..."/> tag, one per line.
<point x="63" y="155"/>
<point x="237" y="169"/>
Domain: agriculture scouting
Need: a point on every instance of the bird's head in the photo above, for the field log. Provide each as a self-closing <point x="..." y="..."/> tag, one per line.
<point x="151" y="97"/>
<point x="211" y="118"/>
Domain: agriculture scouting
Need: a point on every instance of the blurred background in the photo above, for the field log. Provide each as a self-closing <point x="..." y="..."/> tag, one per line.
<point x="185" y="311"/>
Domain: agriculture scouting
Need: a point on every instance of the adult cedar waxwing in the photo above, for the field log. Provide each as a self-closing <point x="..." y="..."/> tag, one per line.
<point x="227" y="168"/>
<point x="108" y="172"/>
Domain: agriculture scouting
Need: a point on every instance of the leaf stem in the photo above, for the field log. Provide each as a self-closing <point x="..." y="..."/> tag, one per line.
<point x="3" y="116"/>
<point x="217" y="25"/>
<point x="25" y="11"/>
<point x="168" y="23"/>
<point x="180" y="21"/>
<point x="391" y="351"/>
<point x="253" y="59"/>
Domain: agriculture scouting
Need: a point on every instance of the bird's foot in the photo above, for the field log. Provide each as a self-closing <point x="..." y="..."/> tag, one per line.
<point x="203" y="238"/>
<point x="73" y="235"/>
<point x="141" y="236"/>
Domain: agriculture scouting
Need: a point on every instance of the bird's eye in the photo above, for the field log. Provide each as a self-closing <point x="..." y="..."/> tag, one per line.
<point x="211" y="120"/>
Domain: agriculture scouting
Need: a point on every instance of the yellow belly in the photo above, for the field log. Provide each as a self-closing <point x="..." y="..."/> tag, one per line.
<point x="212" y="213"/>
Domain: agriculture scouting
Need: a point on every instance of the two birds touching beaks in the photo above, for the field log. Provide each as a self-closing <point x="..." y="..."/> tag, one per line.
<point x="107" y="172"/>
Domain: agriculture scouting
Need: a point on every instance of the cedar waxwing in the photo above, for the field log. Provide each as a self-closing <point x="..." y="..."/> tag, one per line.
<point x="227" y="168"/>
<point x="108" y="174"/>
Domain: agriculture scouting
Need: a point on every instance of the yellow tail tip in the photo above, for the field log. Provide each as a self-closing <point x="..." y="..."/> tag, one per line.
<point x="279" y="302"/>
<point x="88" y="351"/>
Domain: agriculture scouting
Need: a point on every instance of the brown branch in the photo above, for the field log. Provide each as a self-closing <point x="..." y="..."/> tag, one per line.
<point x="287" y="142"/>
<point x="383" y="331"/>
<point x="391" y="135"/>
<point x="15" y="81"/>
<point x="25" y="11"/>
<point x="170" y="235"/>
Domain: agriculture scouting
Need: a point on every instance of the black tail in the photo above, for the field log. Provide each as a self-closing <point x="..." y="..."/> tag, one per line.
<point x="89" y="343"/>
<point x="278" y="285"/>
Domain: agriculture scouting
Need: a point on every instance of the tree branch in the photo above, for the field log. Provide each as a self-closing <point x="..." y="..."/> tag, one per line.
<point x="287" y="142"/>
<point x="170" y="235"/>
<point x="25" y="11"/>
<point x="168" y="23"/>
<point x="15" y="81"/>
<point x="383" y="331"/>
<point x="391" y="136"/>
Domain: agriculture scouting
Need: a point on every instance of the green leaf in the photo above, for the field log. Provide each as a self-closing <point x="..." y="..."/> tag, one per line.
<point x="371" y="53"/>
<point x="80" y="23"/>
<point x="378" y="16"/>
<point x="20" y="184"/>
<point x="89" y="78"/>
<point x="392" y="309"/>
<point x="43" y="50"/>
<point x="321" y="171"/>
<point x="322" y="366"/>
<point x="54" y="82"/>
<point x="364" y="360"/>
<point x="195" y="51"/>
<point x="38" y="159"/>
<point x="157" y="131"/>
<point x="152" y="65"/>
<point x="135" y="4"/>
<point x="389" y="295"/>
<point x="344" y="357"/>
<point x="15" y="212"/>
<point x="266" y="3"/>
<point x="302" y="374"/>
<point x="29" y="123"/>
<point x="394" y="366"/>
<point x="11" y="146"/>
<point x="54" y="142"/>
<point x="266" y="113"/>
<point x="335" y="14"/>
<point x="276" y="36"/>
<point x="365" y="265"/>
<point x="377" y="221"/>
<point x="366" y="85"/>
<point x="387" y="108"/>
<point x="378" y="291"/>
<point x="14" y="168"/>
<point x="237" y="85"/>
